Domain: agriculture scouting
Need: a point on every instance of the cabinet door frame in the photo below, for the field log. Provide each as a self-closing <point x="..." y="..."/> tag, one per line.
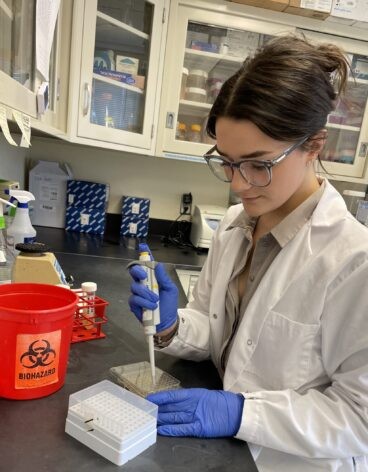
<point x="80" y="128"/>
<point x="180" y="16"/>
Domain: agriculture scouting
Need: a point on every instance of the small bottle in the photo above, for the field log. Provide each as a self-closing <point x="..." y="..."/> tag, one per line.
<point x="6" y="257"/>
<point x="181" y="131"/>
<point x="195" y="133"/>
<point x="89" y="293"/>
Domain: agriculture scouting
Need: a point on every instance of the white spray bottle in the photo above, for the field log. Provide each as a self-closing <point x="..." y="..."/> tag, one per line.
<point x="6" y="257"/>
<point x="21" y="229"/>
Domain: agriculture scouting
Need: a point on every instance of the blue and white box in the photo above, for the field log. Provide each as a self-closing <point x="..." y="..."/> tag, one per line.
<point x="84" y="194"/>
<point x="134" y="226"/>
<point x="85" y="220"/>
<point x="135" y="206"/>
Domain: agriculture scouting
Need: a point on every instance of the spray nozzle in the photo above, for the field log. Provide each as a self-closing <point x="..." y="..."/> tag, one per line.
<point x="21" y="195"/>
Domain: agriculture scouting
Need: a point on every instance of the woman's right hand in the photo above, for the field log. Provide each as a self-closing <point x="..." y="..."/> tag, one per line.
<point x="144" y="299"/>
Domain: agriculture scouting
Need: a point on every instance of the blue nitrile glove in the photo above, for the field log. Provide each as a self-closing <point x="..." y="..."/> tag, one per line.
<point x="144" y="299"/>
<point x="198" y="412"/>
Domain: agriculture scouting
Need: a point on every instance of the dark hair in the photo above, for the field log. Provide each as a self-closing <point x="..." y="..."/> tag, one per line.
<point x="287" y="89"/>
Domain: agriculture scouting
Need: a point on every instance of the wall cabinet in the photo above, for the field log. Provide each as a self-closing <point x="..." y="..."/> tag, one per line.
<point x="19" y="78"/>
<point x="346" y="150"/>
<point x="116" y="72"/>
<point x="211" y="44"/>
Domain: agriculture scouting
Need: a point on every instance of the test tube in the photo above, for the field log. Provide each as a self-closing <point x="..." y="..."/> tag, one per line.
<point x="89" y="292"/>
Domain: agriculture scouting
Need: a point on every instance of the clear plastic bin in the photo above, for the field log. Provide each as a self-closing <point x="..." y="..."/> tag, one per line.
<point x="195" y="94"/>
<point x="197" y="78"/>
<point x="113" y="422"/>
<point x="137" y="378"/>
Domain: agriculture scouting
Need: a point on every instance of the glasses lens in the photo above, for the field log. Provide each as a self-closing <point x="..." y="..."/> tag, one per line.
<point x="255" y="173"/>
<point x="220" y="169"/>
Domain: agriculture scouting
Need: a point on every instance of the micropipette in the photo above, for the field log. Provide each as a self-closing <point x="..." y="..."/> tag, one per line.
<point x="150" y="318"/>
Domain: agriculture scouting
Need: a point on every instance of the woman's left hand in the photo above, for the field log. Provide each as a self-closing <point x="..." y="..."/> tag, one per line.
<point x="198" y="412"/>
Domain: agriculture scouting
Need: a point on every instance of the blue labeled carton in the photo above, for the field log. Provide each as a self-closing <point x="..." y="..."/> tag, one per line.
<point x="84" y="194"/>
<point x="134" y="226"/>
<point x="85" y="220"/>
<point x="135" y="206"/>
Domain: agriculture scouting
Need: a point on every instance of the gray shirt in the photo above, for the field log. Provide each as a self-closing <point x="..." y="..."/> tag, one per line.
<point x="258" y="262"/>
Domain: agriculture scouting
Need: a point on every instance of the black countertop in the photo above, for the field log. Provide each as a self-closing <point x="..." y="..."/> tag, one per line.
<point x="32" y="436"/>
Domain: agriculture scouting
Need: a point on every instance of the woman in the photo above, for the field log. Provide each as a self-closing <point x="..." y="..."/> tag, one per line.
<point x="281" y="304"/>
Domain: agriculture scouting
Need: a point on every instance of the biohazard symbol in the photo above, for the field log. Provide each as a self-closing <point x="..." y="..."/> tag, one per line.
<point x="38" y="354"/>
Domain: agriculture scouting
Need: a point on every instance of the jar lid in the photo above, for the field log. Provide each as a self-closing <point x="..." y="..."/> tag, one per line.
<point x="196" y="128"/>
<point x="200" y="72"/>
<point x="201" y="91"/>
<point x="185" y="71"/>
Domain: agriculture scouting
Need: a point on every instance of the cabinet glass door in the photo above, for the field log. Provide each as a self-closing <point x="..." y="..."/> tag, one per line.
<point x="17" y="39"/>
<point x="212" y="55"/>
<point x="116" y="70"/>
<point x="346" y="143"/>
<point x="346" y="149"/>
<point x="210" y="48"/>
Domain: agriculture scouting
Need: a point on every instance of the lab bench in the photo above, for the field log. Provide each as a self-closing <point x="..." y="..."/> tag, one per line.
<point x="32" y="436"/>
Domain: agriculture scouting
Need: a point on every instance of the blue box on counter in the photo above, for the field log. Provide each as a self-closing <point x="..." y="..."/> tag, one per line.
<point x="135" y="206"/>
<point x="85" y="220"/>
<point x="134" y="226"/>
<point x="84" y="194"/>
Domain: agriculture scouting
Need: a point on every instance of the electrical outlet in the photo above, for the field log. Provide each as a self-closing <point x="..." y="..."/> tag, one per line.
<point x="186" y="204"/>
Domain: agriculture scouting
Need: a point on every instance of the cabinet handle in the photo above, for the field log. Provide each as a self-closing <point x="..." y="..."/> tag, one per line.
<point x="170" y="118"/>
<point x="86" y="98"/>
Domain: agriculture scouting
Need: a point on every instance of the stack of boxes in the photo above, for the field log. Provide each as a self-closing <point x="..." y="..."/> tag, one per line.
<point x="86" y="206"/>
<point x="135" y="217"/>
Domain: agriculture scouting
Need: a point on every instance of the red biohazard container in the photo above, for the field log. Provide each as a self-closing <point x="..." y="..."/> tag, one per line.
<point x="35" y="330"/>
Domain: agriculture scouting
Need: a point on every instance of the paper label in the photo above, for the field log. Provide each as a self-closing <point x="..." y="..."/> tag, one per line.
<point x="84" y="219"/>
<point x="37" y="359"/>
<point x="24" y="123"/>
<point x="4" y="126"/>
<point x="48" y="193"/>
<point x="320" y="5"/>
<point x="135" y="208"/>
<point x="132" y="228"/>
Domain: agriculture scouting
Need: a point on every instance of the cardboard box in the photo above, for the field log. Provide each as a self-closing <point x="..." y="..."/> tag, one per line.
<point x="81" y="193"/>
<point x="48" y="183"/>
<point x="135" y="206"/>
<point x="127" y="64"/>
<point x="85" y="220"/>
<point x="277" y="5"/>
<point x="134" y="226"/>
<point x="318" y="9"/>
<point x="350" y="10"/>
<point x="124" y="77"/>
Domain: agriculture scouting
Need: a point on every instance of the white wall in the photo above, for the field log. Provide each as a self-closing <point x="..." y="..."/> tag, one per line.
<point x="161" y="180"/>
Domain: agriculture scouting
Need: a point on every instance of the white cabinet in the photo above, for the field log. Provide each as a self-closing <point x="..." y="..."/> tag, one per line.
<point x="346" y="151"/>
<point x="205" y="48"/>
<point x="116" y="69"/>
<point x="207" y="43"/>
<point x="19" y="78"/>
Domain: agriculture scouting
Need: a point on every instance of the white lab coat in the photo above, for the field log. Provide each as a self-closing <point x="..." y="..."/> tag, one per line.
<point x="300" y="355"/>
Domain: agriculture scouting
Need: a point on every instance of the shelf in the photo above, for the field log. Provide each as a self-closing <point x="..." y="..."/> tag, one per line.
<point x="116" y="35"/>
<point x="204" y="60"/>
<point x="358" y="81"/>
<point x="123" y="26"/>
<point x="355" y="129"/>
<point x="187" y="107"/>
<point x="8" y="12"/>
<point x="131" y="88"/>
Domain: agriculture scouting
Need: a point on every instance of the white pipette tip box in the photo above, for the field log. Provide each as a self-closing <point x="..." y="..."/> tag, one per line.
<point x="138" y="378"/>
<point x="112" y="421"/>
